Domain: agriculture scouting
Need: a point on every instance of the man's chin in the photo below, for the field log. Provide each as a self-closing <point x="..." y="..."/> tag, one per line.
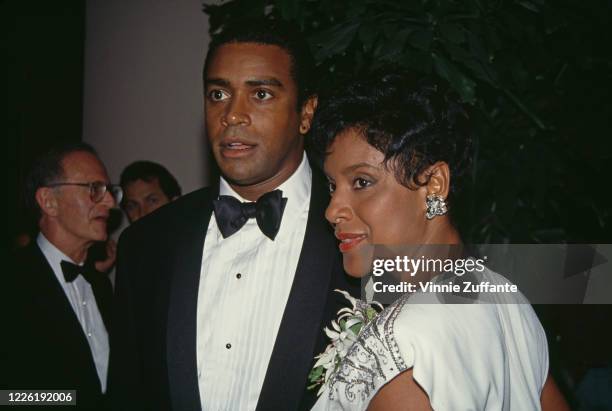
<point x="241" y="176"/>
<point x="99" y="233"/>
<point x="100" y="237"/>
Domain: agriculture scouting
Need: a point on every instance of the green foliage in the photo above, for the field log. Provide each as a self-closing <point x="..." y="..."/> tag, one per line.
<point x="315" y="377"/>
<point x="537" y="75"/>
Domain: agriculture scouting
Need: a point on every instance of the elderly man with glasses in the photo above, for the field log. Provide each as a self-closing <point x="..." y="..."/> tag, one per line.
<point x="58" y="312"/>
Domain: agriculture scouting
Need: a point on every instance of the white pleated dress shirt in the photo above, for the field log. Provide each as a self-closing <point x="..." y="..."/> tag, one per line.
<point x="83" y="302"/>
<point x="245" y="282"/>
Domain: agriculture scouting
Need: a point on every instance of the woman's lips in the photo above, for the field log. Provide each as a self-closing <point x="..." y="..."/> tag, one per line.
<point x="348" y="241"/>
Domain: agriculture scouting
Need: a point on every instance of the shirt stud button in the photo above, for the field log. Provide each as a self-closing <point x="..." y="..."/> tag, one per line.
<point x="228" y="346"/>
<point x="239" y="276"/>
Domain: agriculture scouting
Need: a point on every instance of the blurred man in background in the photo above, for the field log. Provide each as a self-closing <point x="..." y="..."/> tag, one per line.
<point x="147" y="186"/>
<point x="57" y="304"/>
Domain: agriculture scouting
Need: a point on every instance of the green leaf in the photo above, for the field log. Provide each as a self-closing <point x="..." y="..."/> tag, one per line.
<point x="422" y="39"/>
<point x="289" y="9"/>
<point x="529" y="6"/>
<point x="461" y="83"/>
<point x="367" y="35"/>
<point x="371" y="313"/>
<point x="452" y="32"/>
<point x="477" y="48"/>
<point x="357" y="9"/>
<point x="392" y="48"/>
<point x="526" y="110"/>
<point x="479" y="70"/>
<point x="334" y="40"/>
<point x="417" y="60"/>
<point x="316" y="373"/>
<point x="356" y="328"/>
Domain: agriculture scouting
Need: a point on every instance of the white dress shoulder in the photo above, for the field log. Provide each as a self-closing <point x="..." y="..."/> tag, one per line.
<point x="464" y="356"/>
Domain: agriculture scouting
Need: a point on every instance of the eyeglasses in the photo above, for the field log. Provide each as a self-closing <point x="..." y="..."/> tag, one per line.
<point x="97" y="190"/>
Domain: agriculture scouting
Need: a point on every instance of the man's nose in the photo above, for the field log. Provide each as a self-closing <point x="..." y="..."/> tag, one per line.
<point x="108" y="200"/>
<point x="237" y="113"/>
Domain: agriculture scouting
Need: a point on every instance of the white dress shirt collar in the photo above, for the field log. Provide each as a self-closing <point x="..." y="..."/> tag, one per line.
<point x="53" y="255"/>
<point x="296" y="188"/>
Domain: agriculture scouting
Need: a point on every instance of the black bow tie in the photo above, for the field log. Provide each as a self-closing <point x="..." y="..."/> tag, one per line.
<point x="100" y="285"/>
<point x="71" y="271"/>
<point x="231" y="214"/>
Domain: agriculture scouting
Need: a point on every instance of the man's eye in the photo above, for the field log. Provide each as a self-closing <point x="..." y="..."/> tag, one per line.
<point x="263" y="95"/>
<point x="361" y="183"/>
<point x="332" y="187"/>
<point x="153" y="200"/>
<point x="218" y="95"/>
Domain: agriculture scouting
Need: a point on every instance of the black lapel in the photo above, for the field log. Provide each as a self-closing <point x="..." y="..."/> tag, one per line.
<point x="300" y="327"/>
<point x="103" y="293"/>
<point x="57" y="306"/>
<point x="182" y="311"/>
<point x="104" y="299"/>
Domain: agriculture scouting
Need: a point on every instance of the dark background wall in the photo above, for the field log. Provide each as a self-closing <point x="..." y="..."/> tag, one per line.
<point x="123" y="76"/>
<point x="42" y="64"/>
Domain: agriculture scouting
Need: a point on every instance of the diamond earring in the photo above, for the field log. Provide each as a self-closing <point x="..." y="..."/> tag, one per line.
<point x="435" y="206"/>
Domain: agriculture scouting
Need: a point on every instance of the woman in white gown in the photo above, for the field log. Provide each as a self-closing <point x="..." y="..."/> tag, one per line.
<point x="395" y="149"/>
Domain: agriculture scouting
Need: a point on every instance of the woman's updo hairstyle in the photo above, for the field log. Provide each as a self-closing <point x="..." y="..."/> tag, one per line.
<point x="414" y="122"/>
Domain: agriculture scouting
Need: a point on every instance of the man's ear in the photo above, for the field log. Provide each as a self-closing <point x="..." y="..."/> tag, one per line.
<point x="308" y="109"/>
<point x="438" y="179"/>
<point x="47" y="201"/>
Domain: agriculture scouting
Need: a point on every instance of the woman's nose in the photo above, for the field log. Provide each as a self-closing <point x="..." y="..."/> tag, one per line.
<point x="338" y="210"/>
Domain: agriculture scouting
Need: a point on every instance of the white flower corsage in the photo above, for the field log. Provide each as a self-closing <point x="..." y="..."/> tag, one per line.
<point x="343" y="333"/>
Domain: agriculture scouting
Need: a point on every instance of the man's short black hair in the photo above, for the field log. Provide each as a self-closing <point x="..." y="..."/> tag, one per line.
<point x="149" y="171"/>
<point x="277" y="33"/>
<point x="47" y="169"/>
<point x="414" y="121"/>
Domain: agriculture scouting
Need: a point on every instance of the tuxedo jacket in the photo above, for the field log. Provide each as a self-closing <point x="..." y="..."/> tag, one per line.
<point x="44" y="344"/>
<point x="153" y="362"/>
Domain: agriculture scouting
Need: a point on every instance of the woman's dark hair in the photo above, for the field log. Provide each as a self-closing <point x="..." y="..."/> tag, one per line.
<point x="414" y="122"/>
<point x="274" y="33"/>
<point x="149" y="171"/>
<point x="47" y="169"/>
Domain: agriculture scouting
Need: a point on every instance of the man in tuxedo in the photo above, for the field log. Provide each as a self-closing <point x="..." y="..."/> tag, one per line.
<point x="58" y="307"/>
<point x="226" y="310"/>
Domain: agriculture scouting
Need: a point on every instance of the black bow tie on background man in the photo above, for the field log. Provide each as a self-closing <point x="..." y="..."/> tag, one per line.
<point x="100" y="285"/>
<point x="71" y="272"/>
<point x="232" y="214"/>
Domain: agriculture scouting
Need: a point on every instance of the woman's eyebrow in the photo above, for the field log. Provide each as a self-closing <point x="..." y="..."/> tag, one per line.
<point x="359" y="165"/>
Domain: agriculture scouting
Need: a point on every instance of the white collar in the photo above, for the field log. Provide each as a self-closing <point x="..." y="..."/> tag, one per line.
<point x="53" y="255"/>
<point x="296" y="188"/>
